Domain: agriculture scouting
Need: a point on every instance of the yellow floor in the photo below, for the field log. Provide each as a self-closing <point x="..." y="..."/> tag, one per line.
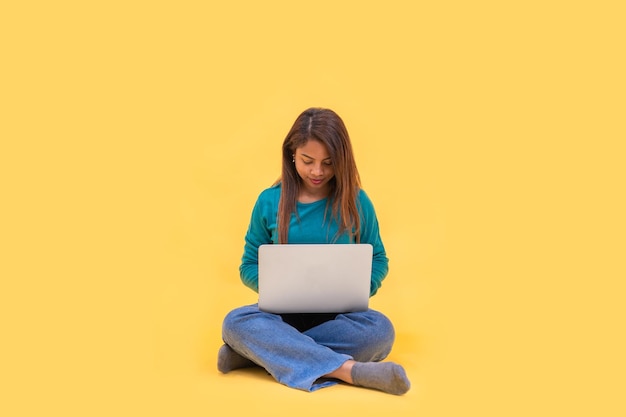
<point x="201" y="389"/>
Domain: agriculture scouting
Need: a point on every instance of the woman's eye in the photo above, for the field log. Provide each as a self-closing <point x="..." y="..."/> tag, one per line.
<point x="328" y="163"/>
<point x="307" y="162"/>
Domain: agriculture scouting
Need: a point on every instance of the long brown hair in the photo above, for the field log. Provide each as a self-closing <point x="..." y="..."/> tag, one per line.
<point x="327" y="127"/>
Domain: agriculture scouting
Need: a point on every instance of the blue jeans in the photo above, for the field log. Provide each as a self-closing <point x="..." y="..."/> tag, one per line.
<point x="297" y="350"/>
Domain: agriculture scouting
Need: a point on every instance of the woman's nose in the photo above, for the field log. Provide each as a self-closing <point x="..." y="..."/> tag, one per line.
<point x="317" y="169"/>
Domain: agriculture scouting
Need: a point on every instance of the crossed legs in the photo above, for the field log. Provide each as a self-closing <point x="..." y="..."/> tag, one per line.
<point x="347" y="348"/>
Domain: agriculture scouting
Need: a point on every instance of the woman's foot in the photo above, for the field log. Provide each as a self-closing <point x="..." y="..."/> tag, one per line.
<point x="384" y="376"/>
<point x="229" y="360"/>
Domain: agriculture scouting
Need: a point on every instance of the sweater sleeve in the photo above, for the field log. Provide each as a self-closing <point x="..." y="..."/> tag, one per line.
<point x="370" y="233"/>
<point x="258" y="234"/>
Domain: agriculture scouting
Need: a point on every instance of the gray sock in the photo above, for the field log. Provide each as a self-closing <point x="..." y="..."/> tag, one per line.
<point x="229" y="360"/>
<point x="383" y="376"/>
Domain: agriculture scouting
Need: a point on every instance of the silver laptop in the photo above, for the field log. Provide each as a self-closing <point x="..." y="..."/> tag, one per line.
<point x="314" y="278"/>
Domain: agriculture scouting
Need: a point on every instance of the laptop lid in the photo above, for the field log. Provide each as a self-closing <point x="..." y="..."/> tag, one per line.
<point x="314" y="278"/>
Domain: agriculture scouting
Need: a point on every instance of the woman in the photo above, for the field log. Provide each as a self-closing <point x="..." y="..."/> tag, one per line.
<point x="318" y="199"/>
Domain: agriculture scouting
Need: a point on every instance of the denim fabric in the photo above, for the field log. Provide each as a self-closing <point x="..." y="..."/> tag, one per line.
<point x="299" y="359"/>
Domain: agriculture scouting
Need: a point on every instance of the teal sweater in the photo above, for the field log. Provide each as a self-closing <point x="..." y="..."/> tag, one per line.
<point x="310" y="228"/>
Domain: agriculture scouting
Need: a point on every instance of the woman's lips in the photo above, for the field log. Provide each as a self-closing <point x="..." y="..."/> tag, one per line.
<point x="316" y="182"/>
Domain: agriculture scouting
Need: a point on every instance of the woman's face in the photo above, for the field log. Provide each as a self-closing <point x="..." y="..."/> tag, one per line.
<point x="315" y="167"/>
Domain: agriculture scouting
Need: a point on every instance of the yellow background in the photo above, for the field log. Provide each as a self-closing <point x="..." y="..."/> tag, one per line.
<point x="136" y="136"/>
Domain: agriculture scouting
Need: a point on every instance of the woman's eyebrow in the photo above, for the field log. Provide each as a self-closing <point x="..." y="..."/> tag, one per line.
<point x="310" y="157"/>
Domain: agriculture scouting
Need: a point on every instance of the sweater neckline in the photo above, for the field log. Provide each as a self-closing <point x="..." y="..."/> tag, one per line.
<point x="323" y="200"/>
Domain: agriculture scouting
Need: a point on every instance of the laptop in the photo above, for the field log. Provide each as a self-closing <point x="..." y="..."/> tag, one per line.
<point x="314" y="278"/>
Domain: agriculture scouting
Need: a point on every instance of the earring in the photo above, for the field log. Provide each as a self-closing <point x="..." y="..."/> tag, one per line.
<point x="293" y="158"/>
